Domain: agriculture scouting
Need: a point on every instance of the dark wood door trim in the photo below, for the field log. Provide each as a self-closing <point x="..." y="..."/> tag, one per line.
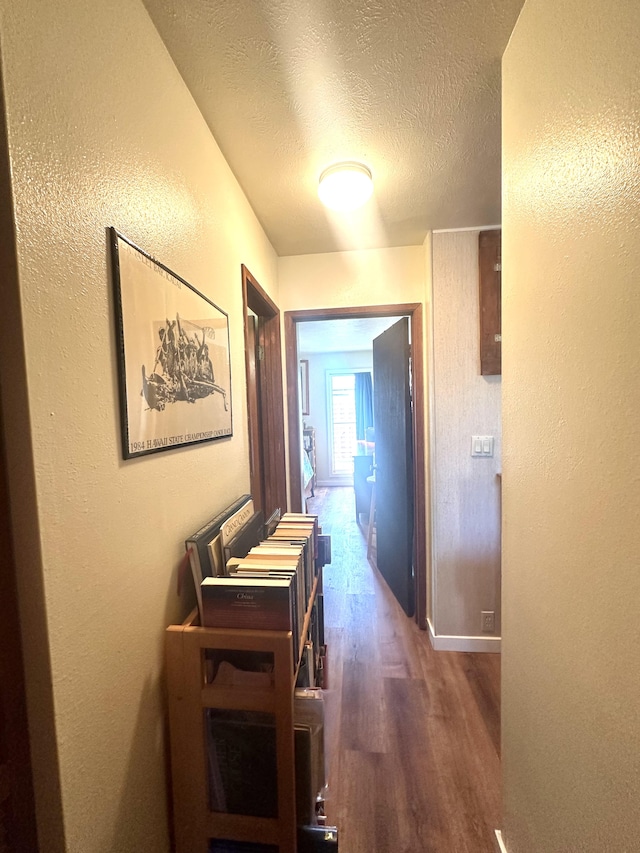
<point x="264" y="409"/>
<point x="414" y="311"/>
<point x="17" y="803"/>
<point x="17" y="799"/>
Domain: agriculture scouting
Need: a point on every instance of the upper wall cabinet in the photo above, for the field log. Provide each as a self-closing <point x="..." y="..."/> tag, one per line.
<point x="490" y="258"/>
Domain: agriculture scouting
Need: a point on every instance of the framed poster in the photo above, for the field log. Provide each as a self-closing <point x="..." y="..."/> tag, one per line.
<point x="173" y="356"/>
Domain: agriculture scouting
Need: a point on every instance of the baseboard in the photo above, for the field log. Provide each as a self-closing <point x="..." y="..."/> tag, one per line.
<point x="501" y="846"/>
<point x="451" y="643"/>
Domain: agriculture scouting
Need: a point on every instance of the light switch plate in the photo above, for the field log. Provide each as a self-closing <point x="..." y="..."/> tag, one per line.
<point x="482" y="445"/>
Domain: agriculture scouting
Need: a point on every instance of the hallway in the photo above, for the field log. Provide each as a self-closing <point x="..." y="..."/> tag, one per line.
<point x="412" y="735"/>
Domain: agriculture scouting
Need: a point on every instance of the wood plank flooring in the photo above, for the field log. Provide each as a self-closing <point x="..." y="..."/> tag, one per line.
<point x="412" y="735"/>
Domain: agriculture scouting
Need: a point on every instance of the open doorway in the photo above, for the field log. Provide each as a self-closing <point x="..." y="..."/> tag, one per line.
<point x="413" y="311"/>
<point x="336" y="358"/>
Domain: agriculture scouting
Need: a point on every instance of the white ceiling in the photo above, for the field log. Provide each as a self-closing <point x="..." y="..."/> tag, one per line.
<point x="410" y="87"/>
<point x="348" y="335"/>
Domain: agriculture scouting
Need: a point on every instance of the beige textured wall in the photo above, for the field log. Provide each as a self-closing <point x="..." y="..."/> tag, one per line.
<point x="343" y="279"/>
<point x="466" y="498"/>
<point x="102" y="131"/>
<point x="571" y="496"/>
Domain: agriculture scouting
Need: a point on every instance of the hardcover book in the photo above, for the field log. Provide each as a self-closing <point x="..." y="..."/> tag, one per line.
<point x="308" y="712"/>
<point x="236" y="741"/>
<point x="292" y="519"/>
<point x="234" y="524"/>
<point x="288" y="556"/>
<point x="284" y="551"/>
<point x="201" y="557"/>
<point x="216" y="558"/>
<point x="272" y="522"/>
<point x="301" y="518"/>
<point x="253" y="569"/>
<point x="251" y="603"/>
<point x="246" y="536"/>
<point x="298" y="536"/>
<point x="307" y="669"/>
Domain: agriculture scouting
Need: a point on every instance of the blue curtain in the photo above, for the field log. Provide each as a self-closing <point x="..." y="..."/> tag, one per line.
<point x="364" y="404"/>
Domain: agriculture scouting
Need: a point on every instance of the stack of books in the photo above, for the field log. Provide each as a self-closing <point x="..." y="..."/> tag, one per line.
<point x="270" y="585"/>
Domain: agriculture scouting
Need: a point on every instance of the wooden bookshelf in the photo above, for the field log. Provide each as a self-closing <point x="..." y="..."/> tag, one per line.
<point x="190" y="695"/>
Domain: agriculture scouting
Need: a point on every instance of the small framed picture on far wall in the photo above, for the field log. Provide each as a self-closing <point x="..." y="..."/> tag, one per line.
<point x="304" y="385"/>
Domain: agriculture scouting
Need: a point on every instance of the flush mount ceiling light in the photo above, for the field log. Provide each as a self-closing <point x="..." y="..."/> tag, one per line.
<point x="345" y="186"/>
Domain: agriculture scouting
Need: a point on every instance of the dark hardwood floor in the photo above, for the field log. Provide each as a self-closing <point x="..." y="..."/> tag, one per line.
<point x="412" y="735"/>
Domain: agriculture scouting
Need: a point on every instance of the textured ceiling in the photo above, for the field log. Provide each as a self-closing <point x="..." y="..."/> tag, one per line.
<point x="410" y="87"/>
<point x="347" y="335"/>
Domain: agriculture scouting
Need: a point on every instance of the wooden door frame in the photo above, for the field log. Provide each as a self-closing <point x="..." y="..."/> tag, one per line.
<point x="17" y="796"/>
<point x="413" y="310"/>
<point x="266" y="422"/>
<point x="17" y="799"/>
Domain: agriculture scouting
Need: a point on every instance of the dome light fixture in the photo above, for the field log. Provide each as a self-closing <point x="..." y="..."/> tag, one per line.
<point x="345" y="186"/>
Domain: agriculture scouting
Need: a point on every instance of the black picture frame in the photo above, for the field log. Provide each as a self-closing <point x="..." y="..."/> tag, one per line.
<point x="174" y="364"/>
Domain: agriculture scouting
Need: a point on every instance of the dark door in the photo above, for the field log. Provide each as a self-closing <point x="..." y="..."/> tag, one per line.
<point x="394" y="461"/>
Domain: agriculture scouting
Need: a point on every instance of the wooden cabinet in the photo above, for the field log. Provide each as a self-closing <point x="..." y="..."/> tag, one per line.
<point x="188" y="647"/>
<point x="490" y="268"/>
<point x="362" y="469"/>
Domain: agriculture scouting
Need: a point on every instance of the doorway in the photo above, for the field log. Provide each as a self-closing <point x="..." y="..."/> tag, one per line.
<point x="414" y="312"/>
<point x="263" y="361"/>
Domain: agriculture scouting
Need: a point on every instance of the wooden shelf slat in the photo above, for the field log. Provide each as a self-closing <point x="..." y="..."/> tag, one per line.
<point x="189" y="695"/>
<point x="238" y="698"/>
<point x="243" y="827"/>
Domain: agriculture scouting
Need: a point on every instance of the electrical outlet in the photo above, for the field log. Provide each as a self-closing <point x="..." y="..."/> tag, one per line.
<point x="488" y="621"/>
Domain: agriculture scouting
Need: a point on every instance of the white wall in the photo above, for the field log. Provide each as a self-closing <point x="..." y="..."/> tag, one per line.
<point x="319" y="364"/>
<point x="102" y="131"/>
<point x="466" y="490"/>
<point x="571" y="362"/>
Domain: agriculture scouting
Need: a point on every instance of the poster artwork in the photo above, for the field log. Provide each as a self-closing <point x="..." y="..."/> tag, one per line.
<point x="175" y="376"/>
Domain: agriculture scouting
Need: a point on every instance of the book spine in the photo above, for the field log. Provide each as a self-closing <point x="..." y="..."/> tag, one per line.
<point x="196" y="571"/>
<point x="232" y="525"/>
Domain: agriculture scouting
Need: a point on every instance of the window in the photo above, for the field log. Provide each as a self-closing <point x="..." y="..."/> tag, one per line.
<point x="342" y="420"/>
